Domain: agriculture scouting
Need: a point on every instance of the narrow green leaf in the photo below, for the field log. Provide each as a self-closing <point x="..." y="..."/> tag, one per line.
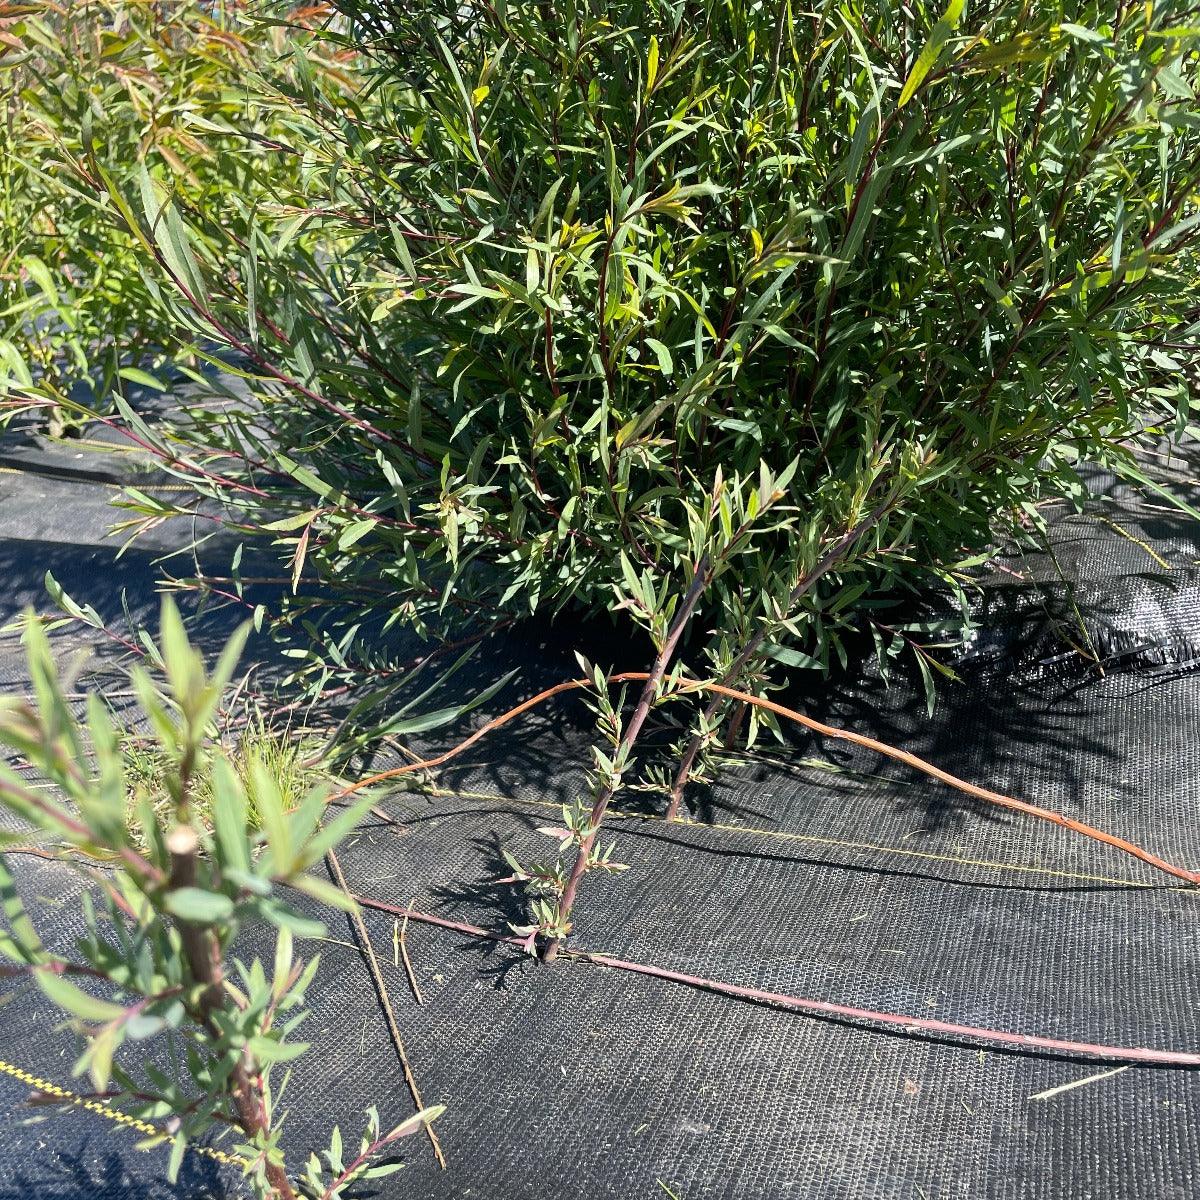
<point x="932" y="50"/>
<point x="198" y="906"/>
<point x="25" y="944"/>
<point x="75" y="1000"/>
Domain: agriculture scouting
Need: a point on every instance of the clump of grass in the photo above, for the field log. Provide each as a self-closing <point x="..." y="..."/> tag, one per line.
<point x="290" y="758"/>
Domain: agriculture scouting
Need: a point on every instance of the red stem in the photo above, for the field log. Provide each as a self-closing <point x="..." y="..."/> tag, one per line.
<point x="566" y="903"/>
<point x="902" y="756"/>
<point x="827" y="1008"/>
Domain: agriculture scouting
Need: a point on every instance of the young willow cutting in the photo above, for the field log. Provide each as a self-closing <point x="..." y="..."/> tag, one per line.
<point x="731" y="317"/>
<point x="162" y="904"/>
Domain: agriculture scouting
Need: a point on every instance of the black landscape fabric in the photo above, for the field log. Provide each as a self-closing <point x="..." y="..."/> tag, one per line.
<point x="813" y="869"/>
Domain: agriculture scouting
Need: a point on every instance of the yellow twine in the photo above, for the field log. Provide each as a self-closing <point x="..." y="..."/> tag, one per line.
<point x="143" y="485"/>
<point x="112" y="1114"/>
<point x="813" y="839"/>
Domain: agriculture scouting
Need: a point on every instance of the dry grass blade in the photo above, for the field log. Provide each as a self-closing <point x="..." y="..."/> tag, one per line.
<point x="1050" y="1093"/>
<point x="408" y="967"/>
<point x="364" y="938"/>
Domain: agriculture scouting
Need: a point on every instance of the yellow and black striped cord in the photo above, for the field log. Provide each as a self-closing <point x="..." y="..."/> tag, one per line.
<point x="145" y="1128"/>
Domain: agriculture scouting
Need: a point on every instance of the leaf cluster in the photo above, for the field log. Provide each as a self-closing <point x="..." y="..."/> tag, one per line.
<point x="590" y="293"/>
<point x="91" y="89"/>
<point x="169" y="897"/>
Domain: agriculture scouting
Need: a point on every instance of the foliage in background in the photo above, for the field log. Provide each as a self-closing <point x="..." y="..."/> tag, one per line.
<point x="157" y="956"/>
<point x="91" y="88"/>
<point x="731" y="317"/>
<point x="596" y="292"/>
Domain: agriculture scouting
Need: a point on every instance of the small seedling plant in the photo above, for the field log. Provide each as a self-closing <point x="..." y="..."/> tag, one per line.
<point x="546" y="881"/>
<point x="163" y="900"/>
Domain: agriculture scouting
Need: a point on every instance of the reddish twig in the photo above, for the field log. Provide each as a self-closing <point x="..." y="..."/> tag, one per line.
<point x="901" y="1022"/>
<point x="583" y="857"/>
<point x="858" y="739"/>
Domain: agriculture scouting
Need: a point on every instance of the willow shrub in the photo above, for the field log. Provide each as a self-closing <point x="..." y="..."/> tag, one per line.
<point x="732" y="317"/>
<point x="158" y="954"/>
<point x="91" y="88"/>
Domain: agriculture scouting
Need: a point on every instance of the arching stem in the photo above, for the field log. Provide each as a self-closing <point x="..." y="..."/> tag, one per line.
<point x="837" y="553"/>
<point x="700" y="580"/>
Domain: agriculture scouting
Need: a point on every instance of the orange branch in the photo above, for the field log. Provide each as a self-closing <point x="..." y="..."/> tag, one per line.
<point x="858" y="739"/>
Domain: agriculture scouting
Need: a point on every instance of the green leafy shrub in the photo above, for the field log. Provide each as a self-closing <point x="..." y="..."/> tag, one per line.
<point x="732" y="317"/>
<point x="605" y="289"/>
<point x="90" y="89"/>
<point x="158" y="955"/>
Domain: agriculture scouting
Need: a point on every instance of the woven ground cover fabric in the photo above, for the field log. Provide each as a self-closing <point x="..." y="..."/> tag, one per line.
<point x="815" y="869"/>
